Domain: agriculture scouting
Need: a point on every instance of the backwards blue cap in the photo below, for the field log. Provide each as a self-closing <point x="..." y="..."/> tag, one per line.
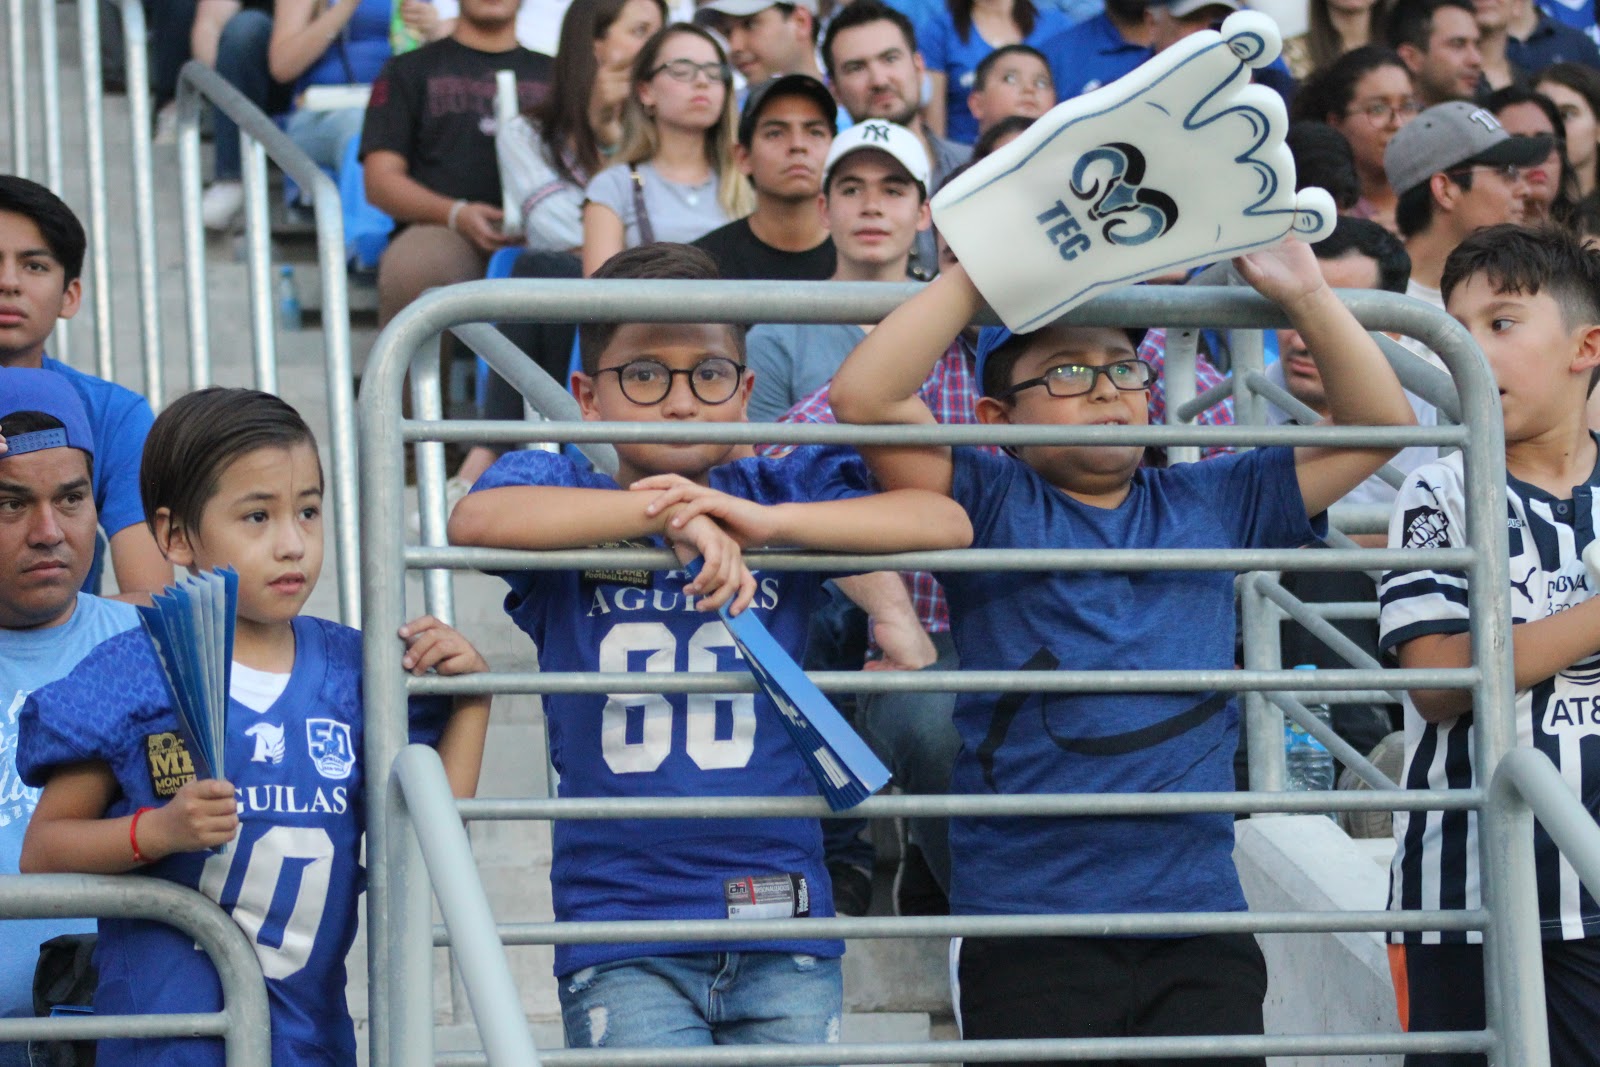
<point x="991" y="338"/>
<point x="25" y="389"/>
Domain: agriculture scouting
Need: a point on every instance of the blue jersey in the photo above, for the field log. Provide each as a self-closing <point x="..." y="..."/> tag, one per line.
<point x="292" y="877"/>
<point x="1105" y="742"/>
<point x="120" y="420"/>
<point x="29" y="660"/>
<point x="653" y="745"/>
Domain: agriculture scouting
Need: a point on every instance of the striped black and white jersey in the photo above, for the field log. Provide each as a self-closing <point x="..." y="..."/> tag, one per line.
<point x="1436" y="859"/>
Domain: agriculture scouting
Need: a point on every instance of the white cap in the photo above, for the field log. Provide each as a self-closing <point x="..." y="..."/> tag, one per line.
<point x="744" y="8"/>
<point x="883" y="136"/>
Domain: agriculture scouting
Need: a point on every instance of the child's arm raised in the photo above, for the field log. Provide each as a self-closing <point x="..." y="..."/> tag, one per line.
<point x="878" y="384"/>
<point x="901" y="520"/>
<point x="1361" y="387"/>
<point x="70" y="834"/>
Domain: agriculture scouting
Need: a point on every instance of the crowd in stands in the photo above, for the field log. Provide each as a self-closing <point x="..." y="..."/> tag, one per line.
<point x="798" y="141"/>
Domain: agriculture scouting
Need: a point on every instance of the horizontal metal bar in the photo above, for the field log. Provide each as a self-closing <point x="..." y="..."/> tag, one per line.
<point x="1017" y="805"/>
<point x="942" y="681"/>
<point x="94" y="1027"/>
<point x="965" y="559"/>
<point x="817" y="433"/>
<point x="1175" y="924"/>
<point x="1097" y="1048"/>
<point x="1298" y="412"/>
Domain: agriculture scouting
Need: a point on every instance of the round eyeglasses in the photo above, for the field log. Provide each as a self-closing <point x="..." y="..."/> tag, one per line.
<point x="649" y="381"/>
<point x="1382" y="112"/>
<point x="684" y="70"/>
<point x="1076" y="379"/>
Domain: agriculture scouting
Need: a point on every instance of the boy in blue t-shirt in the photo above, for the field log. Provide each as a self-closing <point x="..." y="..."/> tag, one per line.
<point x="1099" y="496"/>
<point x="713" y="501"/>
<point x="41" y="256"/>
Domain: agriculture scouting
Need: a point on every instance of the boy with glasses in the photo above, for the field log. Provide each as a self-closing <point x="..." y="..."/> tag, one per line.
<point x="713" y="501"/>
<point x="1099" y="496"/>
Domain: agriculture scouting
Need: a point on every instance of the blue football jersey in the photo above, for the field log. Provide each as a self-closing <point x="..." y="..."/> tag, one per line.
<point x="654" y="745"/>
<point x="292" y="877"/>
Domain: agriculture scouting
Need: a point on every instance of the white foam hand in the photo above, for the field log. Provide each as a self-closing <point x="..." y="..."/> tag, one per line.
<point x="1180" y="162"/>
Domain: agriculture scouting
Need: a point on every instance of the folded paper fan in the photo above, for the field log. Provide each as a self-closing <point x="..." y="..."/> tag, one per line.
<point x="1178" y="163"/>
<point x="192" y="629"/>
<point x="846" y="770"/>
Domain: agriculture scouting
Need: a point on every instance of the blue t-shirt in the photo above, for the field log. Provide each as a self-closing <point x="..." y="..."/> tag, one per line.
<point x="358" y="53"/>
<point x="291" y="878"/>
<point x="1110" y="742"/>
<point x="1579" y="14"/>
<point x="1089" y="55"/>
<point x="946" y="53"/>
<point x="30" y="659"/>
<point x="653" y="745"/>
<point x="120" y="420"/>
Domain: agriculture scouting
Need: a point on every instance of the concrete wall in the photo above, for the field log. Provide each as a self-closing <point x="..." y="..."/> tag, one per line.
<point x="1320" y="983"/>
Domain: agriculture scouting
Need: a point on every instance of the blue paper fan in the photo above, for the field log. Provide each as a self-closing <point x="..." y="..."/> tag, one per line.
<point x="847" y="771"/>
<point x="192" y="629"/>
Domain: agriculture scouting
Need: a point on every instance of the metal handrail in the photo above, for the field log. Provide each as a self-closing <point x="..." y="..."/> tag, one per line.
<point x="420" y="780"/>
<point x="261" y="139"/>
<point x="405" y="344"/>
<point x="243" y="1022"/>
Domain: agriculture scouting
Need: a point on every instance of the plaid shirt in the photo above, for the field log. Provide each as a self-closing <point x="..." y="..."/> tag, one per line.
<point x="1154" y="352"/>
<point x="951" y="393"/>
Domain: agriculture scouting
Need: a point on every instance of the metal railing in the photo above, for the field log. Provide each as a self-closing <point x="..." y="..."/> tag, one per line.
<point x="398" y="902"/>
<point x="243" y="1021"/>
<point x="260" y="139"/>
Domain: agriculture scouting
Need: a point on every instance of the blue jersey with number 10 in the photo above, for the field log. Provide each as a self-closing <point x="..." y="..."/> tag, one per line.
<point x="647" y="744"/>
<point x="292" y="877"/>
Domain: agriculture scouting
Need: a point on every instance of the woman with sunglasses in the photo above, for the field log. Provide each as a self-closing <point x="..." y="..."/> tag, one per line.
<point x="674" y="178"/>
<point x="1367" y="95"/>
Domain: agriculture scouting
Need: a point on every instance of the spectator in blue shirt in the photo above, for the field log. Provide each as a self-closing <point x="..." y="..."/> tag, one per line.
<point x="957" y="41"/>
<point x="1100" y="50"/>
<point x="1535" y="41"/>
<point x="41" y="256"/>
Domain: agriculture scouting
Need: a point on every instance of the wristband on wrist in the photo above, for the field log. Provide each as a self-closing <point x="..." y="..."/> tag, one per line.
<point x="455" y="210"/>
<point x="133" y="836"/>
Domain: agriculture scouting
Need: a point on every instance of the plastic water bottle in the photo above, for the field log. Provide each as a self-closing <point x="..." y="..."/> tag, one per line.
<point x="289" y="316"/>
<point x="401" y="39"/>
<point x="1307" y="764"/>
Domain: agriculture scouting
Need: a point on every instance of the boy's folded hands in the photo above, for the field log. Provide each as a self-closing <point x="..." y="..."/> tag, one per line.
<point x="717" y="527"/>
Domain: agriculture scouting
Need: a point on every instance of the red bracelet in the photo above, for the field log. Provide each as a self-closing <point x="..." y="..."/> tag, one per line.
<point x="133" y="836"/>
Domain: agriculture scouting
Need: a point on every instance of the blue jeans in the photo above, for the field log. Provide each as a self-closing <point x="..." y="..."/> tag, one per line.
<point x="706" y="998"/>
<point x="324" y="134"/>
<point x="913" y="733"/>
<point x="242" y="60"/>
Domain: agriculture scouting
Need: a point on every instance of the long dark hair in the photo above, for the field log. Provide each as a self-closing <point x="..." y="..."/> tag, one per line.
<point x="1323" y="43"/>
<point x="563" y="115"/>
<point x="1022" y="12"/>
<point x="1564" y="209"/>
<point x="1581" y="79"/>
<point x="1329" y="91"/>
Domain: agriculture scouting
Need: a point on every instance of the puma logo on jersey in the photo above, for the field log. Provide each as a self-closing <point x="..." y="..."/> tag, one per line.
<point x="1522" y="586"/>
<point x="269" y="742"/>
<point x="170" y="766"/>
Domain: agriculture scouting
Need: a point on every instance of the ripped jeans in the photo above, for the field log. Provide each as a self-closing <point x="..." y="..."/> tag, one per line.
<point x="706" y="998"/>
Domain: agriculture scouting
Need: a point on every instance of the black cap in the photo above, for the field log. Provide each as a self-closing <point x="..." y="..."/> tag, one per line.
<point x="786" y="85"/>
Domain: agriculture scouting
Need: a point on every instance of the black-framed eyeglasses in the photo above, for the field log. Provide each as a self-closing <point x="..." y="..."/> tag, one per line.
<point x="1381" y="112"/>
<point x="684" y="70"/>
<point x="649" y="381"/>
<point x="1511" y="172"/>
<point x="1076" y="379"/>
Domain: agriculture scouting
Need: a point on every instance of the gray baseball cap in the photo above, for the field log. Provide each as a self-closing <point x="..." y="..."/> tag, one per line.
<point x="1449" y="136"/>
<point x="744" y="8"/>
